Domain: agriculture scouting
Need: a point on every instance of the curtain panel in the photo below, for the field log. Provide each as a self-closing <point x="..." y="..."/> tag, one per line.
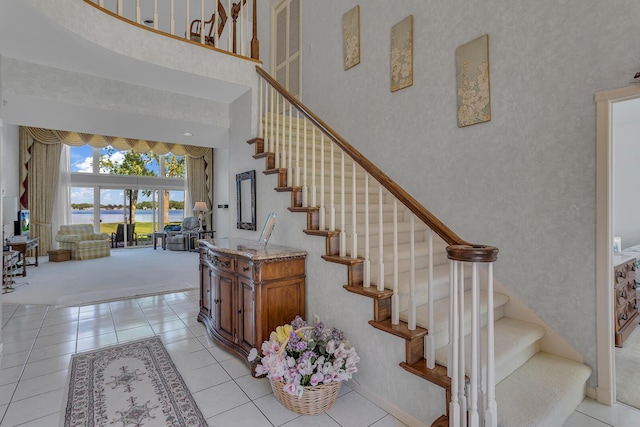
<point x="200" y="182"/>
<point x="41" y="186"/>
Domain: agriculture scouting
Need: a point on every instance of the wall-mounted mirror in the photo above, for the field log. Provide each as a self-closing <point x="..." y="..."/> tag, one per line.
<point x="246" y="200"/>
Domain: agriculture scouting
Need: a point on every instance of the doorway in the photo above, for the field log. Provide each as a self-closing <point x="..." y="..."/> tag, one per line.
<point x="605" y="102"/>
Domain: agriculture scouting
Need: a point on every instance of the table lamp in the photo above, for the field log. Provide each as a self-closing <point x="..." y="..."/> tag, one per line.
<point x="200" y="208"/>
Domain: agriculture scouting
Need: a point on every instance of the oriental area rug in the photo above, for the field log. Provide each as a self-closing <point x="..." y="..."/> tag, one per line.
<point x="131" y="384"/>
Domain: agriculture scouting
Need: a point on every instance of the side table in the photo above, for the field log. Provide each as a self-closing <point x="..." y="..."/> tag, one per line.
<point x="23" y="247"/>
<point x="159" y="235"/>
<point x="9" y="264"/>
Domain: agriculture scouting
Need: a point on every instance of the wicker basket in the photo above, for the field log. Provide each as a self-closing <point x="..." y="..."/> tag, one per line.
<point x="314" y="400"/>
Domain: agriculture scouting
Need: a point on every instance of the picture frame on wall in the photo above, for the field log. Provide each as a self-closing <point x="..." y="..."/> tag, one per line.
<point x="351" y="37"/>
<point x="473" y="83"/>
<point x="402" y="54"/>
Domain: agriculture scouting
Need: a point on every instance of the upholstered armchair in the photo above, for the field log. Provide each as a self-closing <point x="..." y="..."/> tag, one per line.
<point x="179" y="241"/>
<point x="83" y="241"/>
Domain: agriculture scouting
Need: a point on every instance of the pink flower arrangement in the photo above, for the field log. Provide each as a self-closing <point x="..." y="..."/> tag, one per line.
<point x="300" y="355"/>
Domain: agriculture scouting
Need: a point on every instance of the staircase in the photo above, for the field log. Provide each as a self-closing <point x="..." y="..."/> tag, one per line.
<point x="427" y="286"/>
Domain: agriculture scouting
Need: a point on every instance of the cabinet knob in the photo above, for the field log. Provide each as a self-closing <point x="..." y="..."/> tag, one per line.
<point x="216" y="301"/>
<point x="239" y="311"/>
<point x="622" y="316"/>
<point x="245" y="268"/>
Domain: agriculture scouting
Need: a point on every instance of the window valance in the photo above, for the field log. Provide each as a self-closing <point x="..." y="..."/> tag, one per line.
<point x="50" y="136"/>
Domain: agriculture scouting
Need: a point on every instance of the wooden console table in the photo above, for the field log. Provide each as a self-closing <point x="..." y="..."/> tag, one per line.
<point x="23" y="247"/>
<point x="624" y="297"/>
<point x="247" y="290"/>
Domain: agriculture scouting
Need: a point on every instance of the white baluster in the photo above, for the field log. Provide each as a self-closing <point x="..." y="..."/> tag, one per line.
<point x="120" y="8"/>
<point x="314" y="189"/>
<point x="155" y="14"/>
<point x="453" y="357"/>
<point x="332" y="190"/>
<point x="296" y="181"/>
<point x="395" y="298"/>
<point x="474" y="420"/>
<point x="290" y="159"/>
<point x="491" y="412"/>
<point x="380" y="242"/>
<point x="277" y="140"/>
<point x="429" y="341"/>
<point x="354" y="221"/>
<point x="215" y="24"/>
<point x="343" y="226"/>
<point x="283" y="149"/>
<point x="305" y="187"/>
<point x="367" y="260"/>
<point x="187" y="32"/>
<point x="272" y="139"/>
<point x="412" y="269"/>
<point x="101" y="3"/>
<point x="230" y="30"/>
<point x="241" y="17"/>
<point x="461" y="351"/>
<point x="323" y="213"/>
<point x="260" y="115"/>
<point x="173" y="19"/>
<point x="202" y="19"/>
<point x="138" y="11"/>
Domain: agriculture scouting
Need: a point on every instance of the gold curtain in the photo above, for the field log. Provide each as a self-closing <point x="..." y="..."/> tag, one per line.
<point x="49" y="136"/>
<point x="200" y="181"/>
<point x="41" y="161"/>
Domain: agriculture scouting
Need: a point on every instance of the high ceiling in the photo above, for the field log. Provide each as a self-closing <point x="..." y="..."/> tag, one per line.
<point x="28" y="35"/>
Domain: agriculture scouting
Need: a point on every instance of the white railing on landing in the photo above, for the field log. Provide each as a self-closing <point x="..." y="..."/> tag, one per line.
<point x="277" y="111"/>
<point x="221" y="24"/>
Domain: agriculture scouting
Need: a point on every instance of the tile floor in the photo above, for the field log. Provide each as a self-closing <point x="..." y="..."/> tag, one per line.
<point x="39" y="341"/>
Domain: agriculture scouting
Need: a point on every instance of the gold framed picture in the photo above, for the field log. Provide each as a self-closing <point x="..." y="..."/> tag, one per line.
<point x="472" y="77"/>
<point x="402" y="54"/>
<point x="351" y="37"/>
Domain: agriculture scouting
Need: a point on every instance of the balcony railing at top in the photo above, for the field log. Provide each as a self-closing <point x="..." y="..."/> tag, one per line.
<point x="335" y="178"/>
<point x="221" y="24"/>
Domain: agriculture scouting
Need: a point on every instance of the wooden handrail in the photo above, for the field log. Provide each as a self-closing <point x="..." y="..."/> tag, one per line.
<point x="458" y="250"/>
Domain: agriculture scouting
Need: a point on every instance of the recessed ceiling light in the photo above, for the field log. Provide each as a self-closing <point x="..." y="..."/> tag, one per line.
<point x="187" y="134"/>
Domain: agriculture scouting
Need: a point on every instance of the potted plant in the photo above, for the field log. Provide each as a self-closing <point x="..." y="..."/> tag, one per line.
<point x="306" y="365"/>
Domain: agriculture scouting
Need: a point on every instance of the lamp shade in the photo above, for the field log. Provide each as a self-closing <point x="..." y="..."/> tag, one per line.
<point x="200" y="207"/>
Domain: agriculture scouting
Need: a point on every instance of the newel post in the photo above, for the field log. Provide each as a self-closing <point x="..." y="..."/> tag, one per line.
<point x="464" y="256"/>
<point x="255" y="43"/>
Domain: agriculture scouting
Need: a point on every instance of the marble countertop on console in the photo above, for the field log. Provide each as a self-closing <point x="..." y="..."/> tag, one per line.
<point x="251" y="249"/>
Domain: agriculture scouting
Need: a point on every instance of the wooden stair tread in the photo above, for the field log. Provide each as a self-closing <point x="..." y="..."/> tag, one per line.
<point x="371" y="292"/>
<point x="437" y="375"/>
<point x="400" y="330"/>
<point x="322" y="233"/>
<point x="262" y="155"/>
<point x="287" y="189"/>
<point x="344" y="260"/>
<point x="303" y="209"/>
<point x="442" y="421"/>
<point x="274" y="171"/>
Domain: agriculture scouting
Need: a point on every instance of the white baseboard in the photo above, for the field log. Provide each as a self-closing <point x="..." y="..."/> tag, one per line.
<point x="604" y="396"/>
<point x="591" y="392"/>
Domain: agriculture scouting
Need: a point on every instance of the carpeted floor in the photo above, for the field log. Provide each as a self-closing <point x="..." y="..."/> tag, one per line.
<point x="126" y="273"/>
<point x="628" y="370"/>
<point x="134" y="384"/>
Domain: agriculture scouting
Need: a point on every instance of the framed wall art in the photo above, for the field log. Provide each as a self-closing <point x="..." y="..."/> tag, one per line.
<point x="472" y="76"/>
<point x="351" y="37"/>
<point x="402" y="54"/>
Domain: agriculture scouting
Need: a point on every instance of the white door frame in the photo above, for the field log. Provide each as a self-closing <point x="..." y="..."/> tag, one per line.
<point x="606" y="389"/>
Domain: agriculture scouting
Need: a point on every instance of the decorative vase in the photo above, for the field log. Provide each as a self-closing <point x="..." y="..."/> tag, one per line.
<point x="314" y="400"/>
